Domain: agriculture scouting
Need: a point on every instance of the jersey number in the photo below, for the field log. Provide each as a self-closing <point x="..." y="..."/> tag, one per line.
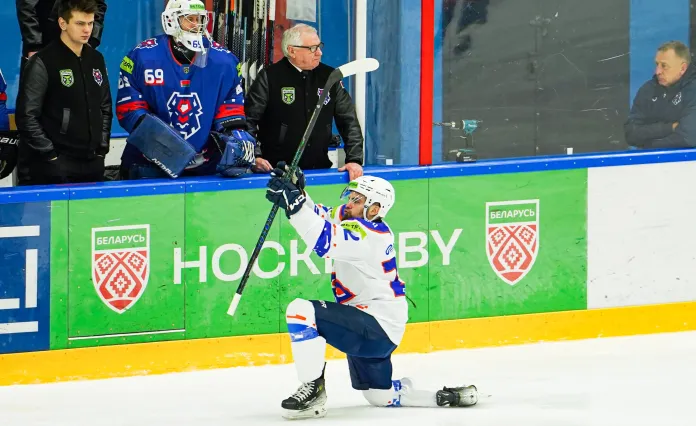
<point x="154" y="77"/>
<point x="347" y="234"/>
<point x="123" y="81"/>
<point x="397" y="286"/>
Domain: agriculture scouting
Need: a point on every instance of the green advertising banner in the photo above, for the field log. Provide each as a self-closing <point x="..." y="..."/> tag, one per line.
<point x="120" y="267"/>
<point x="508" y="244"/>
<point x="166" y="267"/>
<point x="222" y="229"/>
<point x="59" y="275"/>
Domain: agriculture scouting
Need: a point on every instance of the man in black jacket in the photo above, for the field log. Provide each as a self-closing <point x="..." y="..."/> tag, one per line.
<point x="282" y="99"/>
<point x="38" y="23"/>
<point x="64" y="107"/>
<point x="664" y="110"/>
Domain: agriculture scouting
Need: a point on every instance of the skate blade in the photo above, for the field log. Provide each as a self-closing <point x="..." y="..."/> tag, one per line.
<point x="310" y="413"/>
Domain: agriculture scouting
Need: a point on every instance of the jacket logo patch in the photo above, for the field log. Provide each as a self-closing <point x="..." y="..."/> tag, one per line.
<point x="98" y="78"/>
<point x="328" y="96"/>
<point x="67" y="78"/>
<point x="677" y="99"/>
<point x="288" y="95"/>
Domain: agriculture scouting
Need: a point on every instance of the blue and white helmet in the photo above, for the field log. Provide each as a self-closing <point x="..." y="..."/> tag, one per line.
<point x="375" y="190"/>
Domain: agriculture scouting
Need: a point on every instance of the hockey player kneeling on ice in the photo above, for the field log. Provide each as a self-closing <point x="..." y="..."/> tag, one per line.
<point x="368" y="319"/>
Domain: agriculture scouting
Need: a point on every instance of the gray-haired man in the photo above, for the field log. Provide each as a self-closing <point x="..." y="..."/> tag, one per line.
<point x="281" y="101"/>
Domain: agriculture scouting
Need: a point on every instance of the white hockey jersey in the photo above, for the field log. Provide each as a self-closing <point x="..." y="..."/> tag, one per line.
<point x="364" y="263"/>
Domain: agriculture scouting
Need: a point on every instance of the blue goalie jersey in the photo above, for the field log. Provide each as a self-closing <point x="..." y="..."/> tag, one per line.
<point x="193" y="100"/>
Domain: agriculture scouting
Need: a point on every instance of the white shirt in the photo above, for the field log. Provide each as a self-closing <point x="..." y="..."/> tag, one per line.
<point x="364" y="263"/>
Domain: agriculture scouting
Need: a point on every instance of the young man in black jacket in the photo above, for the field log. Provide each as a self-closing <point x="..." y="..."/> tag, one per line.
<point x="282" y="99"/>
<point x="664" y="110"/>
<point x="64" y="109"/>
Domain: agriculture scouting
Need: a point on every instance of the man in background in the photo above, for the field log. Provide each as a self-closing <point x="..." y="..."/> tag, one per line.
<point x="38" y="23"/>
<point x="282" y="99"/>
<point x="664" y="109"/>
<point x="64" y="109"/>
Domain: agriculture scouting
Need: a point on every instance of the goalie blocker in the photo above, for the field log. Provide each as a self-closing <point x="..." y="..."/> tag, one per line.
<point x="162" y="145"/>
<point x="232" y="155"/>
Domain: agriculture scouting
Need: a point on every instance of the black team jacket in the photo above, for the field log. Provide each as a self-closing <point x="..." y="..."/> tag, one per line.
<point x="64" y="103"/>
<point x="278" y="108"/>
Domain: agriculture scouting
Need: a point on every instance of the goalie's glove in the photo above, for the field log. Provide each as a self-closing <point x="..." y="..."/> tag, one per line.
<point x="237" y="149"/>
<point x="297" y="178"/>
<point x="286" y="194"/>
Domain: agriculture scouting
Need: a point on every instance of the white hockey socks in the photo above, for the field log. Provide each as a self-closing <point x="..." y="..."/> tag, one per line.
<point x="402" y="394"/>
<point x="308" y="347"/>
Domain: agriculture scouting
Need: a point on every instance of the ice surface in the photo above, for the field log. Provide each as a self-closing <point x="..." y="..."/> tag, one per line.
<point x="632" y="381"/>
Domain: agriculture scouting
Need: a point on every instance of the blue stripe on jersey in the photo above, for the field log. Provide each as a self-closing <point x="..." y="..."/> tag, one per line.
<point x="323" y="243"/>
<point x="318" y="208"/>
<point x="389" y="265"/>
<point x="301" y="332"/>
<point x="398" y="287"/>
<point x="378" y="227"/>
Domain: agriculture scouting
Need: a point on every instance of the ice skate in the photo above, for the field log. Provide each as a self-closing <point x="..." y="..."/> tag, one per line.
<point x="308" y="402"/>
<point x="457" y="397"/>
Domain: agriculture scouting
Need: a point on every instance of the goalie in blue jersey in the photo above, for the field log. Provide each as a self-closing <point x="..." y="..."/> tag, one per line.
<point x="181" y="100"/>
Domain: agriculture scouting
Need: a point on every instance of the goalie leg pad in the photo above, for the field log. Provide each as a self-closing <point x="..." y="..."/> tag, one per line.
<point x="162" y="145"/>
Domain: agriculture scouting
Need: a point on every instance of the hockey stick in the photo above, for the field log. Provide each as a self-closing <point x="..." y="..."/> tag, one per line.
<point x="271" y="17"/>
<point x="351" y="68"/>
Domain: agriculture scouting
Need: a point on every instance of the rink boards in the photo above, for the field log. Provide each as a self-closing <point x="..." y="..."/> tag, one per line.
<point x="122" y="279"/>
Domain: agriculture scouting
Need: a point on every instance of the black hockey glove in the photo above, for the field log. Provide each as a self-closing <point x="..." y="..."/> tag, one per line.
<point x="286" y="194"/>
<point x="297" y="178"/>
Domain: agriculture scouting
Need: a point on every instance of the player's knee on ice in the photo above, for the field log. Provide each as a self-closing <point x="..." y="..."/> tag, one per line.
<point x="381" y="397"/>
<point x="388" y="397"/>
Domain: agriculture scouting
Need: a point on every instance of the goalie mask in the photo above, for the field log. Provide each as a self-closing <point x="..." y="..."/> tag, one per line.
<point x="186" y="21"/>
<point x="375" y="190"/>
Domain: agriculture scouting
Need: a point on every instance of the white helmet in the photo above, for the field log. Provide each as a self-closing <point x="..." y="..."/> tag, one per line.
<point x="375" y="190"/>
<point x="192" y="39"/>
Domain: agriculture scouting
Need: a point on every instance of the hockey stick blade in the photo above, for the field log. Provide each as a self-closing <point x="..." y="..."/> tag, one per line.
<point x="351" y="68"/>
<point x="358" y="66"/>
